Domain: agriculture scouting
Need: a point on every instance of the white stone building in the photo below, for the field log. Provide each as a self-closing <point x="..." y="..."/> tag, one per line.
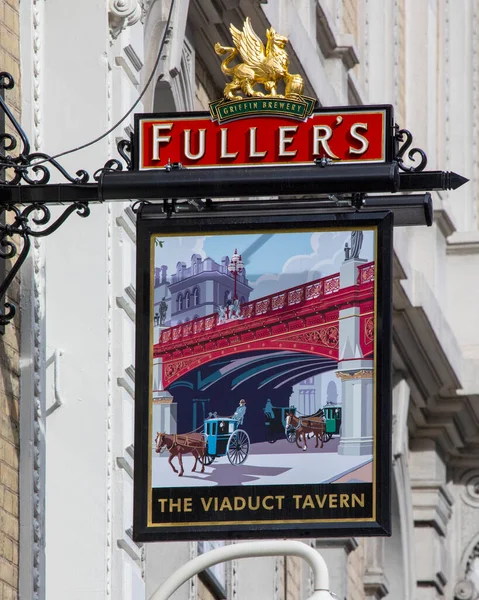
<point x="83" y="65"/>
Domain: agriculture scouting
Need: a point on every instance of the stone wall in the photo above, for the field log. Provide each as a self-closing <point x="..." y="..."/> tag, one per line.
<point x="9" y="351"/>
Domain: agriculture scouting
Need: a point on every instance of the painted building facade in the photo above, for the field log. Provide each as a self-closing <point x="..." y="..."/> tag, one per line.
<point x="83" y="65"/>
<point x="197" y="290"/>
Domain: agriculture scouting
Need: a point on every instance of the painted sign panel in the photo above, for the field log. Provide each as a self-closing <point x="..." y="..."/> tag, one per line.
<point x="346" y="135"/>
<point x="261" y="405"/>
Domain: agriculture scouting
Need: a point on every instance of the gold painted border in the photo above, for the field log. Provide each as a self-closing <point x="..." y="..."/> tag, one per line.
<point x="150" y="523"/>
<point x="382" y="159"/>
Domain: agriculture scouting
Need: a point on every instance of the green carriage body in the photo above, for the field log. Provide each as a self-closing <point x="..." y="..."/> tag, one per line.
<point x="333" y="416"/>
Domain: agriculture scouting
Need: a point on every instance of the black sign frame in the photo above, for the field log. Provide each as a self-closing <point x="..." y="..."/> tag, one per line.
<point x="373" y="520"/>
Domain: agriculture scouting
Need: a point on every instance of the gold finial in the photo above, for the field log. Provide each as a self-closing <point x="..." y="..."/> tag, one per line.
<point x="267" y="66"/>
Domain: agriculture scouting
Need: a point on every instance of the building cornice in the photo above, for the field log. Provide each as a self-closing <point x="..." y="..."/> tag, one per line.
<point x="463" y="242"/>
<point x="426" y="351"/>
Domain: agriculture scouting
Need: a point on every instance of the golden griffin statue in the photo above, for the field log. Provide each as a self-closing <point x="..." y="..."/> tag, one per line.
<point x="267" y="66"/>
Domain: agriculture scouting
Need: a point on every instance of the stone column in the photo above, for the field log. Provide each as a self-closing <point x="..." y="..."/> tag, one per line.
<point x="375" y="581"/>
<point x="432" y="508"/>
<point x="164" y="417"/>
<point x="356" y="374"/>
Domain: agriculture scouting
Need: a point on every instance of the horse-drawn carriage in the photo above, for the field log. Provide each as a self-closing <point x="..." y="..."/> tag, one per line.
<point x="321" y="425"/>
<point x="275" y="424"/>
<point x="223" y="437"/>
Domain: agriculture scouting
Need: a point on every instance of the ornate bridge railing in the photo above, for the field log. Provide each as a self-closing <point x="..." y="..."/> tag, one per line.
<point x="294" y="297"/>
<point x="365" y="273"/>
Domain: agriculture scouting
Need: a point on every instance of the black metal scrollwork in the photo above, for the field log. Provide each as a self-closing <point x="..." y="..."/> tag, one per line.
<point x="23" y="219"/>
<point x="33" y="168"/>
<point x="18" y="165"/>
<point x="405" y="137"/>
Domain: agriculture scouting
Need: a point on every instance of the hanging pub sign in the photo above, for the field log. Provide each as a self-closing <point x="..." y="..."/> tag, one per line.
<point x="263" y="340"/>
<point x="262" y="370"/>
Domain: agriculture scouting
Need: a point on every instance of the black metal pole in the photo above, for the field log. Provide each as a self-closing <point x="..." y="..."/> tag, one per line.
<point x="249" y="181"/>
<point x="429" y="181"/>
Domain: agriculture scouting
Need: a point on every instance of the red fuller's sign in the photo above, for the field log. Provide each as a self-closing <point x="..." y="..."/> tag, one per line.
<point x="249" y="137"/>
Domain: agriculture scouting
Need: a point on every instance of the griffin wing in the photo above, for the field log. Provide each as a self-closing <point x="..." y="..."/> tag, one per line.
<point x="248" y="44"/>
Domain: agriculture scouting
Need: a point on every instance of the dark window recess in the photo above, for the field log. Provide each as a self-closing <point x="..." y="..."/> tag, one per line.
<point x="214" y="578"/>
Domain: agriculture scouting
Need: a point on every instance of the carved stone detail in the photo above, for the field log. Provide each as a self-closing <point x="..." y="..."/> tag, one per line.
<point x="122" y="14"/>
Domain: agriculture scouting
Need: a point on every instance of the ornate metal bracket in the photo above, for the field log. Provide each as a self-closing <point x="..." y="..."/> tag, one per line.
<point x="404" y="137"/>
<point x="18" y="165"/>
<point x="40" y="215"/>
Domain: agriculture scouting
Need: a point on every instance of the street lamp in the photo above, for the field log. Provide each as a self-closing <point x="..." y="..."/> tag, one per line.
<point x="235" y="267"/>
<point x="249" y="550"/>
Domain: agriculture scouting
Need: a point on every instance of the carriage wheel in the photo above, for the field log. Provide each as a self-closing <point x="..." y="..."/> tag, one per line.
<point x="207" y="459"/>
<point x="238" y="447"/>
<point x="291" y="435"/>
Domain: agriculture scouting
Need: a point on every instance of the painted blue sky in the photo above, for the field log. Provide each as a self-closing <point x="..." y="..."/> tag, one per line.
<point x="273" y="261"/>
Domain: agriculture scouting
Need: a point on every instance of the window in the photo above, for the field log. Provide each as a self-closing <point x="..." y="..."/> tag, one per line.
<point x="187" y="300"/>
<point x="309" y="381"/>
<point x="179" y="302"/>
<point x="214" y="577"/>
<point x="196" y="297"/>
<point x="307" y="400"/>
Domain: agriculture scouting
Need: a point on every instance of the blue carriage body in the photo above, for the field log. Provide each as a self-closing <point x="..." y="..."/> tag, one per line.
<point x="218" y="431"/>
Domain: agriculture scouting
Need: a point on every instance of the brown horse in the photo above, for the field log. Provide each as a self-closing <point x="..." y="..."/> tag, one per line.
<point x="179" y="444"/>
<point x="304" y="427"/>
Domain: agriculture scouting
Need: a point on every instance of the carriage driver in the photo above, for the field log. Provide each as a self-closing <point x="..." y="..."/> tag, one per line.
<point x="240" y="412"/>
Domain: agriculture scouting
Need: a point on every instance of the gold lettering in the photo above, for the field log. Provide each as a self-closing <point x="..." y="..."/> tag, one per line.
<point x="255" y="105"/>
<point x="201" y="144"/>
<point x="162" y="502"/>
<point x="239" y="503"/>
<point x="333" y="501"/>
<point x="187" y="506"/>
<point x="226" y="504"/>
<point x="322" y="140"/>
<point x="355" y="500"/>
<point x="158" y="139"/>
<point x="284" y="141"/>
<point x="344" y="500"/>
<point x="175" y="505"/>
<point x="281" y="104"/>
<point x="270" y="507"/>
<point x="265" y="105"/>
<point x="308" y="502"/>
<point x="297" y="498"/>
<point x="280" y="501"/>
<point x="360" y="138"/>
<point x="321" y="500"/>
<point x="206" y="503"/>
<point x="270" y="105"/>
<point x="257" y="504"/>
